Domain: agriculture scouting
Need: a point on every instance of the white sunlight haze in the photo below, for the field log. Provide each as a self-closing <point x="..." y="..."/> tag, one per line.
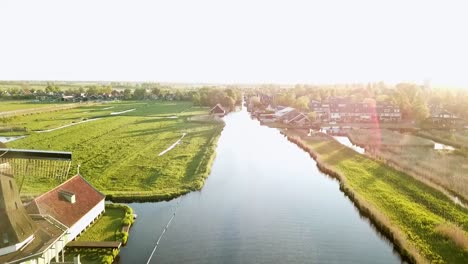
<point x="235" y="41"/>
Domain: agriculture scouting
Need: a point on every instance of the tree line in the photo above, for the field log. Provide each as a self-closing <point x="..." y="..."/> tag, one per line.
<point x="229" y="96"/>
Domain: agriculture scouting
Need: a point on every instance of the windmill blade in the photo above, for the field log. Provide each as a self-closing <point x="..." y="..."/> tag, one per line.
<point x="22" y="163"/>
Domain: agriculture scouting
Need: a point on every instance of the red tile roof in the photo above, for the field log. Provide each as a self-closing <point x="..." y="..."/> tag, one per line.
<point x="54" y="204"/>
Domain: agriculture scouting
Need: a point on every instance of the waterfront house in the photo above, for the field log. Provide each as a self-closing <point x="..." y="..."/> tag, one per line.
<point x="75" y="203"/>
<point x="442" y="118"/>
<point x="218" y="110"/>
<point x="344" y="110"/>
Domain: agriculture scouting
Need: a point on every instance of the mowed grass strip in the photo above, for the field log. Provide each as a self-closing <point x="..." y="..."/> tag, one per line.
<point x="410" y="209"/>
<point x="119" y="154"/>
<point x="106" y="228"/>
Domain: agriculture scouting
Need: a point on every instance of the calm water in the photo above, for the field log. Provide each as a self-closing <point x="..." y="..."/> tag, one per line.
<point x="264" y="202"/>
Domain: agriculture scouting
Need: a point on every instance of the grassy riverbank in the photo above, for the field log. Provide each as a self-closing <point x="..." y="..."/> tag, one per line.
<point x="417" y="157"/>
<point x="120" y="154"/>
<point x="411" y="214"/>
<point x="107" y="228"/>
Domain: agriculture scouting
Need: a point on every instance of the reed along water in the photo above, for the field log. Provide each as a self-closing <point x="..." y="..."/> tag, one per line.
<point x="264" y="202"/>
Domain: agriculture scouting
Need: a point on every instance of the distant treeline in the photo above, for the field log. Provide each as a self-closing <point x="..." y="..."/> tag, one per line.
<point x="204" y="96"/>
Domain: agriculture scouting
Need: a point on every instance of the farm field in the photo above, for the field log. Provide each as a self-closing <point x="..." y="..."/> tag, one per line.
<point x="423" y="221"/>
<point x="118" y="154"/>
<point x="29" y="123"/>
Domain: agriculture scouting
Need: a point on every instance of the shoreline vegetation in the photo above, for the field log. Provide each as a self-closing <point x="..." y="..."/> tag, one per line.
<point x="422" y="223"/>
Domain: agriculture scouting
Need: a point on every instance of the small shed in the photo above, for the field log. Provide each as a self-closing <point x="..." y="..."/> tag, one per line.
<point x="218" y="110"/>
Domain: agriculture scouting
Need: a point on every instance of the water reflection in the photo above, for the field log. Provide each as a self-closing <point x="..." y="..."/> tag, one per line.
<point x="345" y="141"/>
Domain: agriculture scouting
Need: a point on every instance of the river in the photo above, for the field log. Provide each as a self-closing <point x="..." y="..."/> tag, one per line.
<point x="264" y="202"/>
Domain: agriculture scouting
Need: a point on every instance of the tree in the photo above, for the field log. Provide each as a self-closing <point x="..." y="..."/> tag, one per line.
<point x="302" y="103"/>
<point x="255" y="101"/>
<point x="139" y="94"/>
<point x="156" y="91"/>
<point x="196" y="99"/>
<point x="411" y="100"/>
<point x="127" y="94"/>
<point x="229" y="102"/>
<point x="92" y="90"/>
<point x="312" y="116"/>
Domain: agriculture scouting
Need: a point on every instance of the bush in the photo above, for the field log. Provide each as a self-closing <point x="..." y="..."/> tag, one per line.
<point x="107" y="259"/>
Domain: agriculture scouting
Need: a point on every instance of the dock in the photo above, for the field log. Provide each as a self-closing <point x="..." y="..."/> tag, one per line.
<point x="95" y="244"/>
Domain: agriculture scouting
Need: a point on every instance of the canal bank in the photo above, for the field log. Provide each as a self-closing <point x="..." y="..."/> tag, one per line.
<point x="265" y="201"/>
<point x="411" y="214"/>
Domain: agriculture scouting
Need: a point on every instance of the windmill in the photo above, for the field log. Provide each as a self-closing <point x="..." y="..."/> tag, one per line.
<point x="17" y="229"/>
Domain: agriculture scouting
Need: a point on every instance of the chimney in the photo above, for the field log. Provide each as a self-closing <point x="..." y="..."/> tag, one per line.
<point x="69" y="196"/>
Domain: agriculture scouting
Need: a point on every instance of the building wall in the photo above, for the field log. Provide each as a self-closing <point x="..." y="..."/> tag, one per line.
<point x="73" y="232"/>
<point x="86" y="220"/>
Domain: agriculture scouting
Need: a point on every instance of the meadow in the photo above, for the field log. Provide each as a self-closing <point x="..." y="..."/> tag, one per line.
<point x="416" y="156"/>
<point x="385" y="137"/>
<point x="457" y="139"/>
<point x="119" y="154"/>
<point x="422" y="222"/>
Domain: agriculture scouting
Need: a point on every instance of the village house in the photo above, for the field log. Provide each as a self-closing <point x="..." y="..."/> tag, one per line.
<point x="344" y="110"/>
<point x="442" y="118"/>
<point x="38" y="233"/>
<point x="218" y="110"/>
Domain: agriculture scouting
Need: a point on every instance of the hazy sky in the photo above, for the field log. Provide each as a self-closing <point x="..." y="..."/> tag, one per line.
<point x="235" y="41"/>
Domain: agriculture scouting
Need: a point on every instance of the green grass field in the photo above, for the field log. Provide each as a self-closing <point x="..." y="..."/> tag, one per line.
<point x="21" y="105"/>
<point x="106" y="228"/>
<point x="409" y="210"/>
<point x="119" y="154"/>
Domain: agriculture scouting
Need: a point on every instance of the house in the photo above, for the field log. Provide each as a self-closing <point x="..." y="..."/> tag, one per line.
<point x="443" y="118"/>
<point x="344" y="110"/>
<point x="388" y="112"/>
<point x="299" y="120"/>
<point x="292" y="116"/>
<point x="67" y="98"/>
<point x="75" y="203"/>
<point x="218" y="110"/>
<point x="321" y="109"/>
<point x="282" y="111"/>
<point x="39" y="232"/>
